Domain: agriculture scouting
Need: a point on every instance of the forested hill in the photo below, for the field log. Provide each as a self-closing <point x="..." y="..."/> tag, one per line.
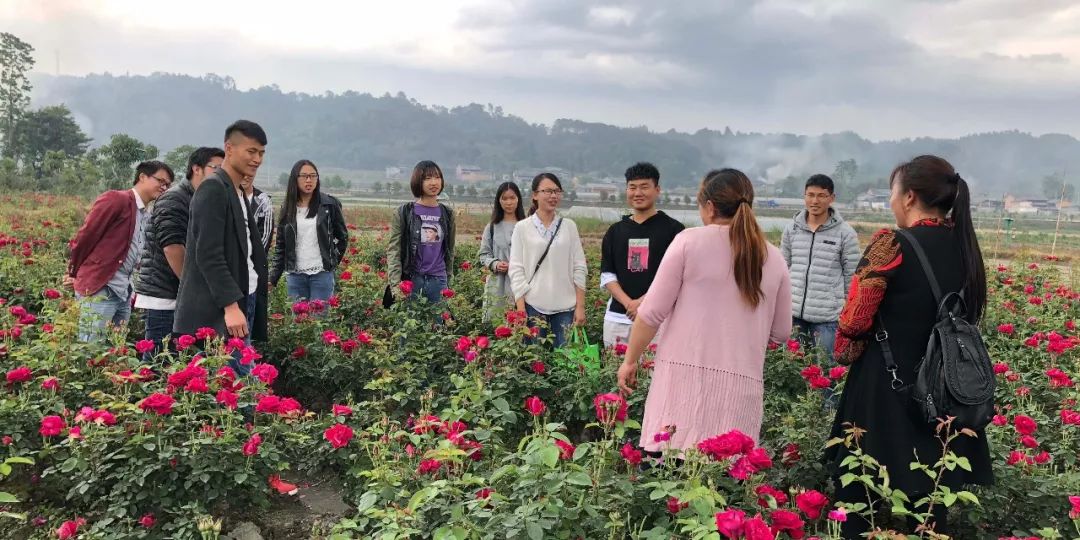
<point x="359" y="131"/>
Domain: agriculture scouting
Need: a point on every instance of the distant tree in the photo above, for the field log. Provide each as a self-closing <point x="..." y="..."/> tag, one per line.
<point x="16" y="61"/>
<point x="792" y="186"/>
<point x="471" y="191"/>
<point x="395" y="188"/>
<point x="119" y="157"/>
<point x="622" y="196"/>
<point x="605" y="196"/>
<point x="44" y="130"/>
<point x="572" y="196"/>
<point x="11" y="178"/>
<point x="283" y="180"/>
<point x="177" y="158"/>
<point x="336" y="182"/>
<point x="1052" y="185"/>
<point x="686" y="200"/>
<point x="377" y="187"/>
<point x="667" y="198"/>
<point x="845" y="172"/>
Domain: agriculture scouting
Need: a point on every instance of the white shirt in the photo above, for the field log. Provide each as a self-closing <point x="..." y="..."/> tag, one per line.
<point x="308" y="256"/>
<point x="611" y="316"/>
<point x="253" y="276"/>
<point x="553" y="288"/>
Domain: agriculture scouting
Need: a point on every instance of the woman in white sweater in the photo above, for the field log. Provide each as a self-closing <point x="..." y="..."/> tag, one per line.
<point x="547" y="263"/>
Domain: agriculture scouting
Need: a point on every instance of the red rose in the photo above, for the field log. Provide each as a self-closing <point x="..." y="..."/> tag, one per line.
<point x="730" y="523"/>
<point x="205" y="333"/>
<point x="266" y="373"/>
<point x="484" y="493"/>
<point x="338" y="435"/>
<point x="157" y="402"/>
<point x="1024" y="425"/>
<point x="52" y="294"/>
<point x="811" y="503"/>
<point x="727" y="445"/>
<point x="778" y="496"/>
<point x="759" y="458"/>
<point x="341" y="410"/>
<point x="197" y="386"/>
<point x="346" y="276"/>
<point x="674" y="506"/>
<point x="226" y="398"/>
<point x="538" y="367"/>
<point x="70" y="528"/>
<point x="147" y="521"/>
<point x="52" y="426"/>
<point x="251" y="447"/>
<point x="610" y="408"/>
<point x="503" y="332"/>
<point x="630" y="454"/>
<point x="566" y="450"/>
<point x="406" y="287"/>
<point x="429" y="466"/>
<point x="268" y="404"/>
<point x="51" y="383"/>
<point x="787" y="521"/>
<point x="837" y="372"/>
<point x="447" y="293"/>
<point x="19" y="375"/>
<point x="535" y="405"/>
<point x="144" y="346"/>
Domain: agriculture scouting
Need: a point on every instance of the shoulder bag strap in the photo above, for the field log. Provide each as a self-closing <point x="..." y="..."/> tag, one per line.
<point x="546" y="249"/>
<point x="925" y="264"/>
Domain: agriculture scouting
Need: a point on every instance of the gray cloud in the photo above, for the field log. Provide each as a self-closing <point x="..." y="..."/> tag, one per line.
<point x="884" y="69"/>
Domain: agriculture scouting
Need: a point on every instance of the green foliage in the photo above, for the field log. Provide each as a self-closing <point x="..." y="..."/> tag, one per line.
<point x="119" y="157"/>
<point x="16" y="61"/>
<point x="177" y="159"/>
<point x="49" y="129"/>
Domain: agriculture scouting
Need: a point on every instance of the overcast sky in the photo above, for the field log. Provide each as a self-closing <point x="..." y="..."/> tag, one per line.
<point x="885" y="69"/>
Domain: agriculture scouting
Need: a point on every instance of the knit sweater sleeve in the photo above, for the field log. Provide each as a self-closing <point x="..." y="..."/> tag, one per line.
<point x="879" y="262"/>
<point x="580" y="266"/>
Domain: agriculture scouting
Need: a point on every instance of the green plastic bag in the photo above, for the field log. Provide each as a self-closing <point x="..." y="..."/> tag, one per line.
<point x="578" y="352"/>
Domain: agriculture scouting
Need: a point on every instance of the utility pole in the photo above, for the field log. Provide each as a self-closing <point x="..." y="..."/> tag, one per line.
<point x="1061" y="203"/>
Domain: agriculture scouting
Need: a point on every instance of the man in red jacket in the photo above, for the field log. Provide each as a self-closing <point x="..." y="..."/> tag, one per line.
<point x="108" y="246"/>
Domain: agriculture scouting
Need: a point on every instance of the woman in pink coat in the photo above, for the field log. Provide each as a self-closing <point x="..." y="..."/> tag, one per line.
<point x="722" y="293"/>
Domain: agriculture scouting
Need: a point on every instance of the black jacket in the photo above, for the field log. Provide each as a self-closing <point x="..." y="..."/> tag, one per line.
<point x="168" y="226"/>
<point x="215" y="262"/>
<point x="333" y="238"/>
<point x="404" y="245"/>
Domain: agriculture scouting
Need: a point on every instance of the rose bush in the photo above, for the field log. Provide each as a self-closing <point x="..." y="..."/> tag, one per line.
<point x="440" y="425"/>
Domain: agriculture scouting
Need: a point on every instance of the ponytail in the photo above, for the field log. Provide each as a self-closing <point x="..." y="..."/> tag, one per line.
<point x="970" y="253"/>
<point x="748" y="253"/>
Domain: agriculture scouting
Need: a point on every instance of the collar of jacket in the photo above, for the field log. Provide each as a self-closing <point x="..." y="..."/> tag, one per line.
<point x="834" y="219"/>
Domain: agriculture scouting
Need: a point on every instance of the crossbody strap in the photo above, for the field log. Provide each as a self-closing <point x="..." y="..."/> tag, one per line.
<point x="546" y="249"/>
<point x="882" y="335"/>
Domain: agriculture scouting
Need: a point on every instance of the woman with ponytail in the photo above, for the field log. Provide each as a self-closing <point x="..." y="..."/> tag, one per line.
<point x="891" y="298"/>
<point x="722" y="293"/>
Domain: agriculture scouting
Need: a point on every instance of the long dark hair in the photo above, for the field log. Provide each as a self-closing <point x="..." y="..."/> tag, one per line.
<point x="497" y="212"/>
<point x="536" y="185"/>
<point x="732" y="195"/>
<point x="936" y="184"/>
<point x="292" y="194"/>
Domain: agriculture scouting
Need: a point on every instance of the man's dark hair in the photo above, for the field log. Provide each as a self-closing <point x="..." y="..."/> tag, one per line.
<point x="248" y="129"/>
<point x="421" y="171"/>
<point x="201" y="157"/>
<point x="643" y="171"/>
<point x="821" y="181"/>
<point x="150" y="168"/>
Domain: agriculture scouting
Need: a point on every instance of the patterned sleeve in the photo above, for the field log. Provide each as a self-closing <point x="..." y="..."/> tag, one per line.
<point x="878" y="263"/>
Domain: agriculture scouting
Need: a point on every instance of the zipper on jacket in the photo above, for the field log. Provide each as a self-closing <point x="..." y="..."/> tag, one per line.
<point x="806" y="279"/>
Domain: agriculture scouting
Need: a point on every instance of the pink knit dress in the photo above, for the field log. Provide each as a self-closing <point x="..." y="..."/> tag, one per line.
<point x="708" y="377"/>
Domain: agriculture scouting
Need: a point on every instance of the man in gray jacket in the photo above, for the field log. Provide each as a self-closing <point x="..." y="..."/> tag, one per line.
<point x="821" y="252"/>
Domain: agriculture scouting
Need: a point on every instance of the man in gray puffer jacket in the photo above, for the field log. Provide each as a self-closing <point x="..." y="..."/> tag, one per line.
<point x="821" y="251"/>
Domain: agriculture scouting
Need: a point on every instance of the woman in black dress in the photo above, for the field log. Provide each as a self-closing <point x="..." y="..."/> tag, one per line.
<point x="932" y="202"/>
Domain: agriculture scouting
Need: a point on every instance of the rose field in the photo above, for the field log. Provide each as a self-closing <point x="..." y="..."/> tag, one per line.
<point x="459" y="430"/>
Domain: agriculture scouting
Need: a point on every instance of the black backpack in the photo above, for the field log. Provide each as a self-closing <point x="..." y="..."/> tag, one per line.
<point x="955" y="376"/>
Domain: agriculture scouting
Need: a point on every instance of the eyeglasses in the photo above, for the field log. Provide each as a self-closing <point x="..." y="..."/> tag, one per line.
<point x="163" y="181"/>
<point x="549" y="191"/>
<point x="211" y="167"/>
<point x="308" y="176"/>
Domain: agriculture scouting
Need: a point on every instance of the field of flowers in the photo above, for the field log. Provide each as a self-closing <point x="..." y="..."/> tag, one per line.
<point x="458" y="430"/>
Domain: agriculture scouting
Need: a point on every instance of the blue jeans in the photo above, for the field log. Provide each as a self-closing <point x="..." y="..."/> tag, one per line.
<point x="100" y="310"/>
<point x="159" y="323"/>
<point x="428" y="286"/>
<point x="558" y="324"/>
<point x="811" y="335"/>
<point x="310" y="286"/>
<point x="240" y="369"/>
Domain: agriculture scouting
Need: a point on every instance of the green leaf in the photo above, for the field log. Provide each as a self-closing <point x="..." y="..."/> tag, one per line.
<point x="549" y="455"/>
<point x="535" y="531"/>
<point x="149" y="446"/>
<point x="964" y="463"/>
<point x="501" y="405"/>
<point x="367" y="500"/>
<point x="579" y="478"/>
<point x="240" y="477"/>
<point x="847" y="479"/>
<point x="6" y="497"/>
<point x="949" y="499"/>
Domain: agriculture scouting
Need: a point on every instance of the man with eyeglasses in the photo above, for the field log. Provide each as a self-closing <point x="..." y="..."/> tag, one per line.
<point x="821" y="251"/>
<point x="107" y="249"/>
<point x="163" y="257"/>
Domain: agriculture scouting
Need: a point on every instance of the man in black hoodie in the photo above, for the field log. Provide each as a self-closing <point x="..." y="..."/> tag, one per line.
<point x="632" y="251"/>
<point x="163" y="258"/>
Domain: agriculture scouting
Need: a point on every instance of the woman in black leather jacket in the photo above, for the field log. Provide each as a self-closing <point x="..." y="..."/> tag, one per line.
<point x="311" y="237"/>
